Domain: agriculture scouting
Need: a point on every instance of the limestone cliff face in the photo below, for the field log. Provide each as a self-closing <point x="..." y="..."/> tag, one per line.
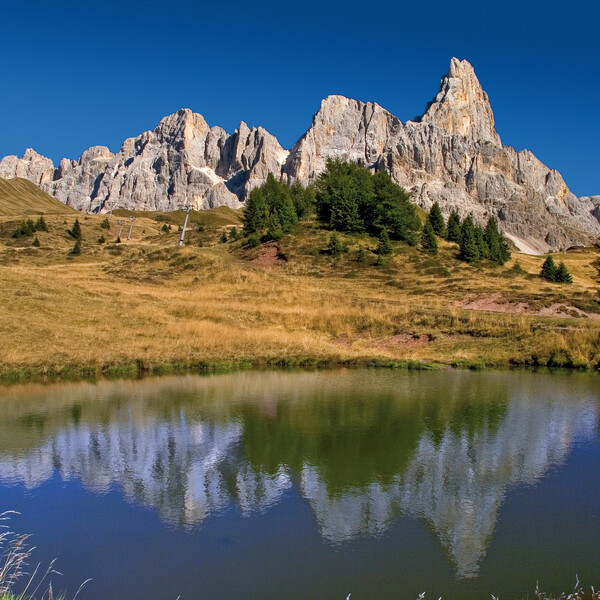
<point x="452" y="155"/>
<point x="183" y="161"/>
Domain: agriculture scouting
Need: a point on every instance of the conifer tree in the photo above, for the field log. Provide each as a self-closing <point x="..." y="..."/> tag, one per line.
<point x="274" y="230"/>
<point x="453" y="227"/>
<point x="482" y="247"/>
<point x="223" y="238"/>
<point x="40" y="224"/>
<point x="76" y="248"/>
<point x="105" y="223"/>
<point x="428" y="239"/>
<point x="437" y="220"/>
<point x="233" y="234"/>
<point x="498" y="250"/>
<point x="361" y="256"/>
<point x="335" y="246"/>
<point x="563" y="275"/>
<point x="36" y="242"/>
<point x="76" y="230"/>
<point x="384" y="247"/>
<point x="549" y="269"/>
<point x="469" y="250"/>
<point x="255" y="213"/>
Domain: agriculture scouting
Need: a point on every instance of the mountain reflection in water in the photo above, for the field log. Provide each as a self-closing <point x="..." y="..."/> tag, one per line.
<point x="362" y="447"/>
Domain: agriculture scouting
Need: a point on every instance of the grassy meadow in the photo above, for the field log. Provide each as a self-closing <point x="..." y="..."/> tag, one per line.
<point x="149" y="305"/>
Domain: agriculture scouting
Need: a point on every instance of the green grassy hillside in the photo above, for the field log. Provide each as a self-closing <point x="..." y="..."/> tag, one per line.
<point x="19" y="197"/>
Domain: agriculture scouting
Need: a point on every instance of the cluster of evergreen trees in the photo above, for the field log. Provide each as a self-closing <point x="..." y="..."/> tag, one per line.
<point x="349" y="198"/>
<point x="274" y="208"/>
<point x="29" y="227"/>
<point x="475" y="242"/>
<point x="550" y="272"/>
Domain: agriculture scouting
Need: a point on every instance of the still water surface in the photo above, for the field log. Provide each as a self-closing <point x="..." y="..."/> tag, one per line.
<point x="312" y="485"/>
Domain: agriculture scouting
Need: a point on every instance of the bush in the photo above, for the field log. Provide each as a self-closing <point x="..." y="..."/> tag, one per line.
<point x="335" y="247"/>
<point x="105" y="224"/>
<point x="101" y="240"/>
<point x="166" y="228"/>
<point x="253" y="240"/>
<point x="223" y="238"/>
<point x="233" y="234"/>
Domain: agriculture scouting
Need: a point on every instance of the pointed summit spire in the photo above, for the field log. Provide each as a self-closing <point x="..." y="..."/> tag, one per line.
<point x="461" y="106"/>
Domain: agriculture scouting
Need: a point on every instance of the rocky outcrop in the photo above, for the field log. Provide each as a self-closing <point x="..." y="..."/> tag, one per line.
<point x="183" y="161"/>
<point x="452" y="155"/>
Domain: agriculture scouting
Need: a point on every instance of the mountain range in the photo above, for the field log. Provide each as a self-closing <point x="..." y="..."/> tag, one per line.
<point x="451" y="154"/>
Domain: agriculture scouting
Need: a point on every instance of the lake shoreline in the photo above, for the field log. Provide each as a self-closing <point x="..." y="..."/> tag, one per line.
<point x="145" y="368"/>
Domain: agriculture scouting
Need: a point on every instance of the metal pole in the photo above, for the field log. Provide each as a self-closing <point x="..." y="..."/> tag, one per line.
<point x="121" y="223"/>
<point x="130" y="227"/>
<point x="184" y="225"/>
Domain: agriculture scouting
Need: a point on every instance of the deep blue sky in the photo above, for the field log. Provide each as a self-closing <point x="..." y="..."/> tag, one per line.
<point x="77" y="74"/>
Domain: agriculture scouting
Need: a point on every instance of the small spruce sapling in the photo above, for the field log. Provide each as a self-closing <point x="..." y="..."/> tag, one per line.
<point x="334" y="247"/>
<point x="76" y="248"/>
<point x="36" y="242"/>
<point x="563" y="275"/>
<point x="105" y="224"/>
<point x="384" y="247"/>
<point x="223" y="238"/>
<point x="549" y="269"/>
<point x="40" y="224"/>
<point x="75" y="231"/>
<point x="233" y="234"/>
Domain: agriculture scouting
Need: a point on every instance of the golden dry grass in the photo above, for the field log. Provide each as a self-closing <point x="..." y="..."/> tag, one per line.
<point x="151" y="303"/>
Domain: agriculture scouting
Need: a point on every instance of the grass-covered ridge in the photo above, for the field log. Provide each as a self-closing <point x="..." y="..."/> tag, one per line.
<point x="21" y="197"/>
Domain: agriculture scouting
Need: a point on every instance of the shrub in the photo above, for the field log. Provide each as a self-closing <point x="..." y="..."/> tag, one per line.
<point x="101" y="239"/>
<point x="233" y="234"/>
<point x="166" y="228"/>
<point x="334" y="247"/>
<point x="105" y="224"/>
<point x="253" y="240"/>
<point x="223" y="238"/>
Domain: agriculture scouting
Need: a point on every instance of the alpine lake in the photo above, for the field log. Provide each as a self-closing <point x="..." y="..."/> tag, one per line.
<point x="267" y="485"/>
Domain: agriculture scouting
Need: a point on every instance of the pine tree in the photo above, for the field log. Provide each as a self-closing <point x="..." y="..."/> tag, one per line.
<point x="549" y="269"/>
<point x="384" y="247"/>
<point x="233" y="234"/>
<point x="166" y="228"/>
<point x="255" y="213"/>
<point x="335" y="246"/>
<point x="499" y="251"/>
<point x="453" y="227"/>
<point x="36" y="242"/>
<point x="428" y="239"/>
<point x="469" y="250"/>
<point x="482" y="247"/>
<point x="105" y="224"/>
<point x="76" y="248"/>
<point x="563" y="275"/>
<point x="76" y="230"/>
<point x="274" y="230"/>
<point x="437" y="220"/>
<point x="223" y="238"/>
<point x="40" y="224"/>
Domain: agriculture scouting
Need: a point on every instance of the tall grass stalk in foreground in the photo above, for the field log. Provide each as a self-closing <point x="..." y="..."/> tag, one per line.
<point x="15" y="552"/>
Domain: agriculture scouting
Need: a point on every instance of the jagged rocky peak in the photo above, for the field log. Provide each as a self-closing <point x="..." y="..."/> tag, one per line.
<point x="461" y="106"/>
<point x="451" y="155"/>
